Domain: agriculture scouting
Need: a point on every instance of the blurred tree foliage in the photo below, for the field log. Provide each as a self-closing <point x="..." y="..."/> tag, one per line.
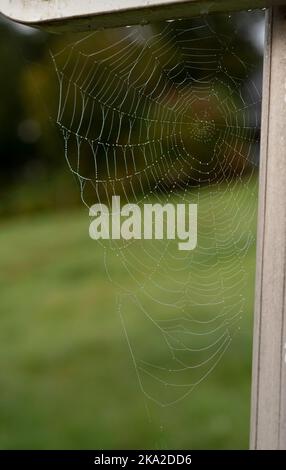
<point x="34" y="173"/>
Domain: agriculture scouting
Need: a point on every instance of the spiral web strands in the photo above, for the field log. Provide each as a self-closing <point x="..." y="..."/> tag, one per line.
<point x="169" y="113"/>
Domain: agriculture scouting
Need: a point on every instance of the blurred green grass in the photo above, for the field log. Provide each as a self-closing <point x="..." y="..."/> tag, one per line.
<point x="67" y="379"/>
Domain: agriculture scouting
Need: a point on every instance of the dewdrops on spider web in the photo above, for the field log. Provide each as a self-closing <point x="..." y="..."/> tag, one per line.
<point x="168" y="114"/>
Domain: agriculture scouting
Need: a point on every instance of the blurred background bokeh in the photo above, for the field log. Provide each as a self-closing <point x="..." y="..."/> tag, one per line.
<point x="66" y="378"/>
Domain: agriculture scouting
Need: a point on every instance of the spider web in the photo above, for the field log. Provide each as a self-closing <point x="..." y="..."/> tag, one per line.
<point x="168" y="113"/>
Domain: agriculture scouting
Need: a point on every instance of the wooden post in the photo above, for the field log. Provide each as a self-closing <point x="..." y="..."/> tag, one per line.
<point x="83" y="15"/>
<point x="268" y="423"/>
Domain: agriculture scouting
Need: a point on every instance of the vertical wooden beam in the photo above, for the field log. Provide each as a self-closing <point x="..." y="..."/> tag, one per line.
<point x="268" y="424"/>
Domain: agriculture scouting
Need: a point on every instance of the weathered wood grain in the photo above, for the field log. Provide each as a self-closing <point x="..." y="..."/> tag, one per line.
<point x="57" y="15"/>
<point x="268" y="426"/>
